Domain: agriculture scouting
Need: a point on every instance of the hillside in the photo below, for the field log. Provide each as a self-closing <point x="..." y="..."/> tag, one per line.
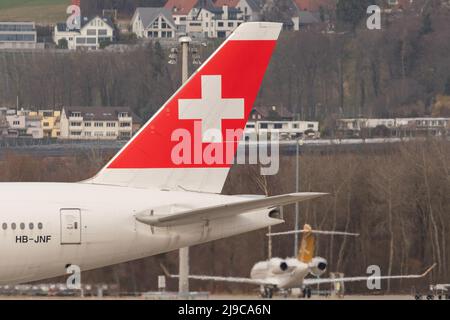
<point x="40" y="11"/>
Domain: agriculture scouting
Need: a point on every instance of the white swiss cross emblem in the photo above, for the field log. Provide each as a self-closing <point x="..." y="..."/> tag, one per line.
<point x="211" y="109"/>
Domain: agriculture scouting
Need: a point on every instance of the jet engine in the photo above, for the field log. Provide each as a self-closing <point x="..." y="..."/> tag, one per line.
<point x="278" y="266"/>
<point x="318" y="266"/>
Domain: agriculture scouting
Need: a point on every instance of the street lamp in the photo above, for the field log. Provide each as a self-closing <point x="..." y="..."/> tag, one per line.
<point x="185" y="42"/>
<point x="299" y="143"/>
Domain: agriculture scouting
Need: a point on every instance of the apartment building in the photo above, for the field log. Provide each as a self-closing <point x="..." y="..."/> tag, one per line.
<point x="18" y="35"/>
<point x="97" y="123"/>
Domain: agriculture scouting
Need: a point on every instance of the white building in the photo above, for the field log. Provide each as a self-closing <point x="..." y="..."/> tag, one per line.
<point x="153" y="23"/>
<point x="24" y="123"/>
<point x="397" y="126"/>
<point x="93" y="33"/>
<point x="285" y="129"/>
<point x="20" y="35"/>
<point x="96" y="123"/>
<point x="205" y="19"/>
<point x="251" y="9"/>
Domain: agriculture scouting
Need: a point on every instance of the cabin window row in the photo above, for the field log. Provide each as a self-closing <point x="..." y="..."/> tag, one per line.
<point x="22" y="226"/>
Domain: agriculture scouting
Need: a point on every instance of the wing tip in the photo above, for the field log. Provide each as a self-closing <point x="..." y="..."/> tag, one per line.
<point x="429" y="270"/>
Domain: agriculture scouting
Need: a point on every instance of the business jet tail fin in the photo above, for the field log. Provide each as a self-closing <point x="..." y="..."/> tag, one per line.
<point x="190" y="143"/>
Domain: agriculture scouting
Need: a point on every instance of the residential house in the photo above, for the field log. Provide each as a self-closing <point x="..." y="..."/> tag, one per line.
<point x="273" y="113"/>
<point x="316" y="5"/>
<point x="18" y="35"/>
<point x="153" y="23"/>
<point x="33" y="123"/>
<point x="313" y="14"/>
<point x="97" y="123"/>
<point x="251" y="9"/>
<point x="94" y="33"/>
<point x="16" y="123"/>
<point x="209" y="21"/>
<point x="263" y="121"/>
<point x="180" y="10"/>
<point x="50" y="123"/>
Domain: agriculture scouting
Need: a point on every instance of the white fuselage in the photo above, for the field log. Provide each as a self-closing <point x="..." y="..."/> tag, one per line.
<point x="92" y="226"/>
<point x="292" y="277"/>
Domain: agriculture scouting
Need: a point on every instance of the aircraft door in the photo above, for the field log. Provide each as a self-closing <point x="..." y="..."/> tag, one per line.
<point x="70" y="226"/>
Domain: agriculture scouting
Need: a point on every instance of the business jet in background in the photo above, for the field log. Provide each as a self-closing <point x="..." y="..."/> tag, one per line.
<point x="143" y="202"/>
<point x="283" y="275"/>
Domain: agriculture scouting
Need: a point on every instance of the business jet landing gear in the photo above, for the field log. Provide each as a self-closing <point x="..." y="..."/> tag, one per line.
<point x="306" y="293"/>
<point x="266" y="292"/>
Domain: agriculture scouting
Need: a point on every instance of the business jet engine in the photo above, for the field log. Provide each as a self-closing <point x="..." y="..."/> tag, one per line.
<point x="278" y="266"/>
<point x="318" y="266"/>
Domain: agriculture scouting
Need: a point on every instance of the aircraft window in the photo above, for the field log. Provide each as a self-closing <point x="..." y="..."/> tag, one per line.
<point x="22" y="226"/>
<point x="40" y="226"/>
<point x="5" y="226"/>
<point x="13" y="226"/>
<point x="31" y="226"/>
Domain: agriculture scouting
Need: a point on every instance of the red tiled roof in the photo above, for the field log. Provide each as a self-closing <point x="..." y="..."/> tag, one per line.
<point x="180" y="7"/>
<point x="314" y="5"/>
<point x="229" y="3"/>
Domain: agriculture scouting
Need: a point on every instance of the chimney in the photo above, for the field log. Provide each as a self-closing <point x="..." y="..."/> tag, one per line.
<point x="225" y="13"/>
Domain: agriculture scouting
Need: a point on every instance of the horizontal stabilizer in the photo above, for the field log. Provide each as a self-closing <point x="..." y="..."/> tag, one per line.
<point x="335" y="233"/>
<point x="223" y="210"/>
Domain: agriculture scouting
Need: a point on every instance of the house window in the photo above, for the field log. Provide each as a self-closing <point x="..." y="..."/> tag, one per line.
<point x="264" y="126"/>
<point x="87" y="124"/>
<point x="75" y="124"/>
<point x="155" y="24"/>
<point x="164" y="25"/>
<point x="91" y="32"/>
<point x="230" y="24"/>
<point x="220" y="24"/>
<point x="76" y="114"/>
<point x="125" y="124"/>
<point x="46" y="124"/>
<point x="111" y="124"/>
<point x="278" y="125"/>
<point x="81" y="40"/>
<point x="91" y="40"/>
<point x="123" y="115"/>
<point x="75" y="133"/>
<point x="102" y="32"/>
<point x="16" y="123"/>
<point x="98" y="124"/>
<point x="164" y="34"/>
